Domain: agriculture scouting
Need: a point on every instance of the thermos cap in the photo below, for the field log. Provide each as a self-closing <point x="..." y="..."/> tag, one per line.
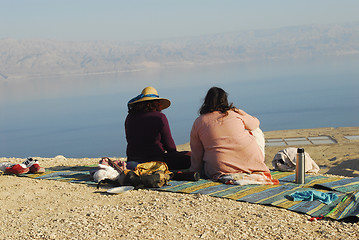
<point x="300" y="150"/>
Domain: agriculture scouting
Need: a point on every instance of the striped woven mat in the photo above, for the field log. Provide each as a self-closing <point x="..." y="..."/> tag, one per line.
<point x="347" y="190"/>
<point x="78" y="174"/>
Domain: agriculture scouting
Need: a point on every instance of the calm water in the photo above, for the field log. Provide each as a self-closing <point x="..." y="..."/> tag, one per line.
<point x="84" y="116"/>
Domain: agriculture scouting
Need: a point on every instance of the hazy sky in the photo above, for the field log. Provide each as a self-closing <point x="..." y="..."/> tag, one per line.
<point x="130" y="20"/>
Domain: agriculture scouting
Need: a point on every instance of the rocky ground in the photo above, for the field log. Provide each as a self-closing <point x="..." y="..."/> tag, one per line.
<point x="44" y="209"/>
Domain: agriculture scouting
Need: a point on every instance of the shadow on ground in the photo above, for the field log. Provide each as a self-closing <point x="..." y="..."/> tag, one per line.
<point x="348" y="168"/>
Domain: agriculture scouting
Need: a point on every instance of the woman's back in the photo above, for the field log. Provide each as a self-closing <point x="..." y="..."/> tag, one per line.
<point x="147" y="135"/>
<point x="225" y="145"/>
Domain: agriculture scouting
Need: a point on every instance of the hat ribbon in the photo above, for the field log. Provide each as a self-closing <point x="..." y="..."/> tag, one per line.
<point x="142" y="96"/>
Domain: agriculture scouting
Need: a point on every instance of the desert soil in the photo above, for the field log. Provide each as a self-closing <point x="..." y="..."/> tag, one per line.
<point x="45" y="209"/>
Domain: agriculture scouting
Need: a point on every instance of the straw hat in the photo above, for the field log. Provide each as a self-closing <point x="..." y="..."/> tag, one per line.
<point x="150" y="94"/>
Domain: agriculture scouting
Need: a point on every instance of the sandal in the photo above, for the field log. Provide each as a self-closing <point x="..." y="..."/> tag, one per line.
<point x="120" y="166"/>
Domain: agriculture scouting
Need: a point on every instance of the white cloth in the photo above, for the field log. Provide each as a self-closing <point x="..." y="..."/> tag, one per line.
<point x="105" y="172"/>
<point x="259" y="136"/>
<point x="247" y="178"/>
<point x="285" y="160"/>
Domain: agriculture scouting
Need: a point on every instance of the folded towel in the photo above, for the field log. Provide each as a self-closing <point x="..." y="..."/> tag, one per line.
<point x="311" y="195"/>
<point x="285" y="160"/>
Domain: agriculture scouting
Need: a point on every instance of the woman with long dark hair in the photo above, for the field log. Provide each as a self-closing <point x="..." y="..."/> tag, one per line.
<point x="222" y="143"/>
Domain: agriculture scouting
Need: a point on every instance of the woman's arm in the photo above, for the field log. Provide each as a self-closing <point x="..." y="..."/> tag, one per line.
<point x="197" y="151"/>
<point x="250" y="122"/>
<point x="166" y="136"/>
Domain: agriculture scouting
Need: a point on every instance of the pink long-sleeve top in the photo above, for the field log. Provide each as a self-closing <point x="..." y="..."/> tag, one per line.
<point x="223" y="145"/>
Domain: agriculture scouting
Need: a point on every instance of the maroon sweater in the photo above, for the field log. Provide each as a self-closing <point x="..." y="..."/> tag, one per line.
<point x="148" y="136"/>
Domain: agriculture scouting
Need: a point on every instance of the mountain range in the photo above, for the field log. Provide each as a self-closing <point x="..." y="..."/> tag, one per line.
<point x="28" y="58"/>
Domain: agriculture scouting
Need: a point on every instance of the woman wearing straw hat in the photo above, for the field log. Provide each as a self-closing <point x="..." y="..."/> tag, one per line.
<point x="148" y="133"/>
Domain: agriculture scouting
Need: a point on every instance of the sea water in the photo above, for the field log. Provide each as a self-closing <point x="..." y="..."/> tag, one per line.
<point x="83" y="116"/>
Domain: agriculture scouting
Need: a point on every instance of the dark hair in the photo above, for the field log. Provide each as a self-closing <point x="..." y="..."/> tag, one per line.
<point x="146" y="106"/>
<point x="216" y="100"/>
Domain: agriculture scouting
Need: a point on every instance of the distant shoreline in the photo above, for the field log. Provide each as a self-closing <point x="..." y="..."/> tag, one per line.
<point x="149" y="66"/>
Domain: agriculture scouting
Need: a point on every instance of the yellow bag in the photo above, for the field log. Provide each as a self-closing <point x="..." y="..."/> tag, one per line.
<point x="153" y="174"/>
<point x="148" y="168"/>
